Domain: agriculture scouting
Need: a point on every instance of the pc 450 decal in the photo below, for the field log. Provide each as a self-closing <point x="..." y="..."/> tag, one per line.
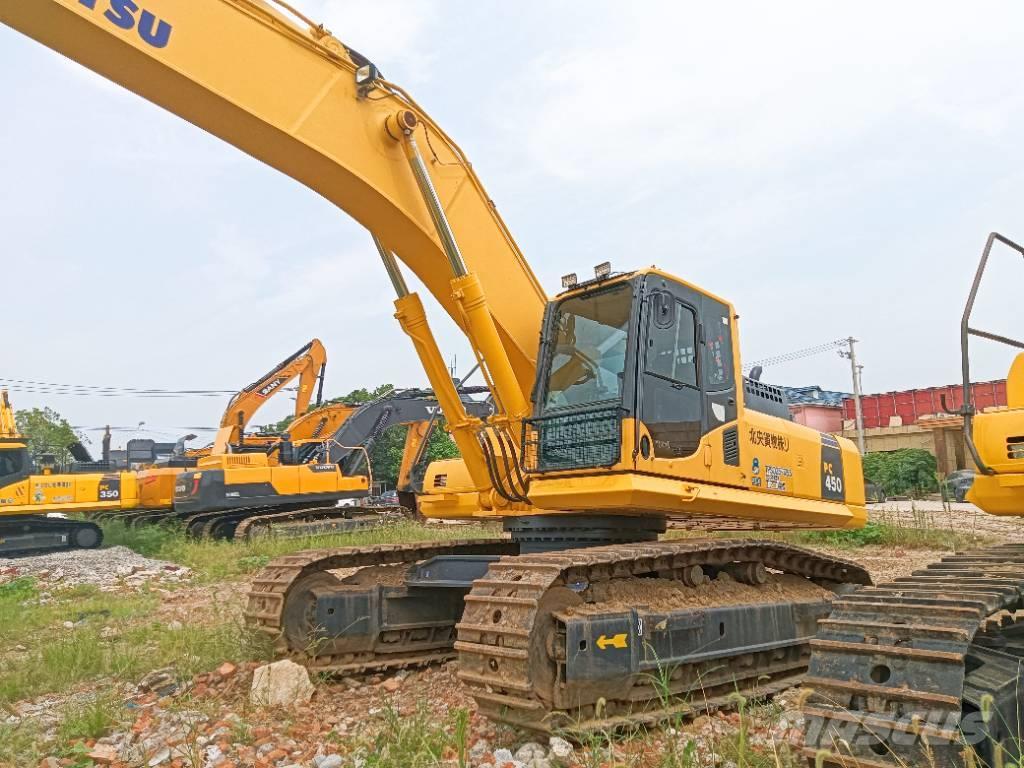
<point x="832" y="487"/>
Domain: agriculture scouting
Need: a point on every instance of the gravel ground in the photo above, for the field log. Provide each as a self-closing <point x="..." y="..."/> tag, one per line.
<point x="113" y="569"/>
<point x="961" y="517"/>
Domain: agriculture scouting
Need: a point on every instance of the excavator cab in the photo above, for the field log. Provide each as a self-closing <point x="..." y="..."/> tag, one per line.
<point x="640" y="407"/>
<point x="994" y="439"/>
<point x="627" y="352"/>
<point x="15" y="460"/>
<point x="15" y="463"/>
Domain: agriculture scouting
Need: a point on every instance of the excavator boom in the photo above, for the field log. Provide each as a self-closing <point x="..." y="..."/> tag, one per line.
<point x="307" y="364"/>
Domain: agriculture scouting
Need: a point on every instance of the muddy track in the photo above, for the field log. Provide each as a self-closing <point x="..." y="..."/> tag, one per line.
<point x="899" y="671"/>
<point x="278" y="591"/>
<point x="512" y="654"/>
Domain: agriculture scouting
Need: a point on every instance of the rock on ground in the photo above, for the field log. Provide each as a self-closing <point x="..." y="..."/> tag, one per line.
<point x="281" y="684"/>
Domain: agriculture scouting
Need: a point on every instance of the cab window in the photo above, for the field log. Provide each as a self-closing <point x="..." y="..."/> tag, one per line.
<point x="671" y="341"/>
<point x="717" y="362"/>
<point x="11" y="463"/>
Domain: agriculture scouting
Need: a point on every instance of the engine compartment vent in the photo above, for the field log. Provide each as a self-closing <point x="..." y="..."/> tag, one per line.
<point x="731" y="447"/>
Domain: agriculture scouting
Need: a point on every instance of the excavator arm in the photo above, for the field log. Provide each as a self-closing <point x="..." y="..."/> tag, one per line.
<point x="293" y="96"/>
<point x="307" y="364"/>
<point x="8" y="427"/>
<point x="354" y="439"/>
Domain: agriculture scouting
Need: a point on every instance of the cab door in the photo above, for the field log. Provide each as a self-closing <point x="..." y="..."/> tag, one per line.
<point x="671" y="403"/>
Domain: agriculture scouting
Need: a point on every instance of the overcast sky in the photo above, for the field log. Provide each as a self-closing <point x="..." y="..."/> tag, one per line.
<point x="831" y="169"/>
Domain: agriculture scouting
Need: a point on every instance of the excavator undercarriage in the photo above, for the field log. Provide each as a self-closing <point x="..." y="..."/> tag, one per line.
<point x="562" y="640"/>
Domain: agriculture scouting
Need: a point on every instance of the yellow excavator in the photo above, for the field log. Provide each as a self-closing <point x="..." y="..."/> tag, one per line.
<point x="630" y="412"/>
<point x="295" y="484"/>
<point x="156" y="484"/>
<point x="29" y="498"/>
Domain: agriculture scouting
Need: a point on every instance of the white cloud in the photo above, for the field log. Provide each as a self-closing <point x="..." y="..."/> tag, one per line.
<point x="750" y="84"/>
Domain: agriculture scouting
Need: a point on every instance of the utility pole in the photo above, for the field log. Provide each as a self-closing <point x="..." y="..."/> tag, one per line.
<point x="855" y="372"/>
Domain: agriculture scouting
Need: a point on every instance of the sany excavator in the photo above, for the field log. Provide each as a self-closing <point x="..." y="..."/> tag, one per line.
<point x="28" y="497"/>
<point x="926" y="670"/>
<point x="237" y="494"/>
<point x="156" y="484"/>
<point x="630" y="411"/>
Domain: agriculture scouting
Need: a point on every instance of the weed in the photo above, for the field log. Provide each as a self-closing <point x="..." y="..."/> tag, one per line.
<point x="411" y="740"/>
<point x="90" y="720"/>
<point x="923" y="533"/>
<point x="19" y="590"/>
<point x="461" y="736"/>
<point x="21" y="744"/>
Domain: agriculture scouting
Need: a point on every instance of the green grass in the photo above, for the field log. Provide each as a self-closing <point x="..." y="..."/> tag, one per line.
<point x="219" y="560"/>
<point x="888" y="535"/>
<point x="23" y="617"/>
<point x="89" y="720"/>
<point x="875" y="533"/>
<point x="415" y="739"/>
<point x="55" y="659"/>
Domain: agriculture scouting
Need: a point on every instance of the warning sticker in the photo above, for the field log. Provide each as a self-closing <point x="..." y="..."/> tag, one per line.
<point x="777" y="478"/>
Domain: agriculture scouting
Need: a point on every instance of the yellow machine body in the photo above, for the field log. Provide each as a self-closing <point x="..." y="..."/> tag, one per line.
<point x="91" y="492"/>
<point x="999" y="438"/>
<point x="781" y="477"/>
<point x="245" y="469"/>
<point x="24" y="491"/>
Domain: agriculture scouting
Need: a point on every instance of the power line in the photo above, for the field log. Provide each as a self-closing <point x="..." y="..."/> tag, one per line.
<point x="798" y="354"/>
<point x="25" y="385"/>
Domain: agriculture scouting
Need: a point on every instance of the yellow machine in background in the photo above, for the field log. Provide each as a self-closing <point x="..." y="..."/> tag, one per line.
<point x="994" y="439"/>
<point x="27" y="496"/>
<point x="308" y="364"/>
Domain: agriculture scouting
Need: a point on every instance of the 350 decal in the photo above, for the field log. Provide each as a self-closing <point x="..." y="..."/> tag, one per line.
<point x="126" y="14"/>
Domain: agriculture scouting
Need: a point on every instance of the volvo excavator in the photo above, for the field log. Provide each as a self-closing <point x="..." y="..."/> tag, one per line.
<point x="239" y="494"/>
<point x="619" y="405"/>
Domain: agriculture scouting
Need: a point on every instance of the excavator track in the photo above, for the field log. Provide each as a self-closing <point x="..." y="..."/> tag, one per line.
<point x="38" y="534"/>
<point x="239" y="524"/>
<point x="316" y="520"/>
<point x="922" y="670"/>
<point x="529" y="663"/>
<point x="280" y="592"/>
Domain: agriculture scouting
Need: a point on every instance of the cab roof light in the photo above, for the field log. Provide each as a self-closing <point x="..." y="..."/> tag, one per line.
<point x="569" y="281"/>
<point x="602" y="270"/>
